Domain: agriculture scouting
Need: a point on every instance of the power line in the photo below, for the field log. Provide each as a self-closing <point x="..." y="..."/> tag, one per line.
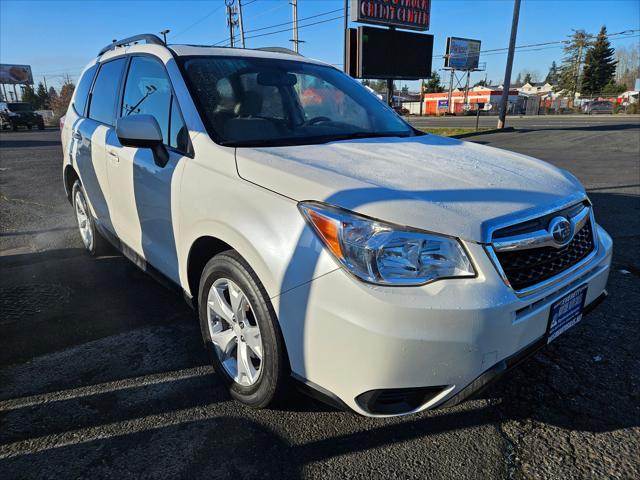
<point x="198" y="22"/>
<point x="289" y="23"/>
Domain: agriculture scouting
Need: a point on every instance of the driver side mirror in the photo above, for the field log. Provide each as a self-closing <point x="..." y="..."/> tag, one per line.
<point x="143" y="131"/>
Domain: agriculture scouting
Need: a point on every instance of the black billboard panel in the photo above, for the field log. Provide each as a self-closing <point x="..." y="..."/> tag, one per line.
<point x="394" y="54"/>
<point x="352" y="53"/>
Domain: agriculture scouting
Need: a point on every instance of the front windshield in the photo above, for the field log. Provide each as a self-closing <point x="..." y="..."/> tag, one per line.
<point x="20" y="107"/>
<point x="264" y="102"/>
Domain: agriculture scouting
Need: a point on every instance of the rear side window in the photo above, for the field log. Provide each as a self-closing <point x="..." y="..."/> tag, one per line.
<point x="82" y="92"/>
<point x="105" y="92"/>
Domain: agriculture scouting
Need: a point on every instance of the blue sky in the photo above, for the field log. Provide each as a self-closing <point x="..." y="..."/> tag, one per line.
<point x="60" y="37"/>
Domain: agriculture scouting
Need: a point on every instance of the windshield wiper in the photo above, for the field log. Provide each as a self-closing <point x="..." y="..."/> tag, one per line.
<point x="356" y="135"/>
<point x="313" y="140"/>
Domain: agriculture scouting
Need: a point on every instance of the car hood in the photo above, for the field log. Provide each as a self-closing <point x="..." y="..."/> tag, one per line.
<point x="428" y="182"/>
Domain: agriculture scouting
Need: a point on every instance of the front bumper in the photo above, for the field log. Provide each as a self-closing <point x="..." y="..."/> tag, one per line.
<point x="439" y="338"/>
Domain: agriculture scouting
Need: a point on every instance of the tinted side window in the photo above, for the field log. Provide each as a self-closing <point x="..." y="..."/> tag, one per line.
<point x="148" y="92"/>
<point x="82" y="91"/>
<point x="105" y="91"/>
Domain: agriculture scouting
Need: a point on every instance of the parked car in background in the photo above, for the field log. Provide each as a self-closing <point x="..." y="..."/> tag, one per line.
<point x="598" y="106"/>
<point x="19" y="114"/>
<point x="49" y="117"/>
<point x="319" y="236"/>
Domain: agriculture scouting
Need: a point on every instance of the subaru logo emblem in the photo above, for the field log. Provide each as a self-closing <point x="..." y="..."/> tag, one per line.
<point x="561" y="231"/>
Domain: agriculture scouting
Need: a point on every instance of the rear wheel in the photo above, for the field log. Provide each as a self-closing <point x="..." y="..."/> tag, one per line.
<point x="91" y="238"/>
<point x="241" y="332"/>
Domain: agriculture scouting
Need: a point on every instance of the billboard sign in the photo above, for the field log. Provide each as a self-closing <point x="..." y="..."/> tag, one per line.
<point x="16" y="74"/>
<point x="462" y="53"/>
<point x="410" y="14"/>
<point x="396" y="54"/>
<point x="443" y="103"/>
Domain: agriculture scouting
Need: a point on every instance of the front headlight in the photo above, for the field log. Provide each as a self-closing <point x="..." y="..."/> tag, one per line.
<point x="386" y="254"/>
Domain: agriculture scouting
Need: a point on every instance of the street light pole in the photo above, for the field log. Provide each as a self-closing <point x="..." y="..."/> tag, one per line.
<point x="502" y="112"/>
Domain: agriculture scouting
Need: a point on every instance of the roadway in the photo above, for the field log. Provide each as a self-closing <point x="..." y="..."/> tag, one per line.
<point x="524" y="122"/>
<point x="103" y="374"/>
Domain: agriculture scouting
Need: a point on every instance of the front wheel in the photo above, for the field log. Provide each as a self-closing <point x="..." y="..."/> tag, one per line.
<point x="241" y="332"/>
<point x="91" y="238"/>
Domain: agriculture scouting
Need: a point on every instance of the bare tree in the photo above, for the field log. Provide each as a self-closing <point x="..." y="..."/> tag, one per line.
<point x="628" y="67"/>
<point x="61" y="101"/>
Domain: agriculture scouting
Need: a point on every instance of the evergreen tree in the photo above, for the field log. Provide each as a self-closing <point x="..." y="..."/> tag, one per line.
<point x="599" y="65"/>
<point x="29" y="96"/>
<point x="52" y="93"/>
<point x="518" y="81"/>
<point x="569" y="78"/>
<point x="612" y="88"/>
<point x="43" y="96"/>
<point x="404" y="90"/>
<point x="433" y="85"/>
<point x="481" y="83"/>
<point x="527" y="78"/>
<point x="553" y="75"/>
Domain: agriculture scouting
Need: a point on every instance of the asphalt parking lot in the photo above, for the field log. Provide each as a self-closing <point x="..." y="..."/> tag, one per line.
<point x="103" y="374"/>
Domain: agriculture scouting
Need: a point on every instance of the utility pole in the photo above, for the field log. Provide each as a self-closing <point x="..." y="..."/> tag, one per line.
<point x="44" y="79"/>
<point x="294" y="13"/>
<point x="450" y="96"/>
<point x="240" y="24"/>
<point x="502" y="110"/>
<point x="230" y="20"/>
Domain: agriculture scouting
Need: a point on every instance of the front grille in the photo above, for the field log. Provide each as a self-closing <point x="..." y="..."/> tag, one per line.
<point x="525" y="268"/>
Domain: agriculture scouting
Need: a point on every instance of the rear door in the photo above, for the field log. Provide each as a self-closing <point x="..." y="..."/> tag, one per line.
<point x="89" y="136"/>
<point x="144" y="194"/>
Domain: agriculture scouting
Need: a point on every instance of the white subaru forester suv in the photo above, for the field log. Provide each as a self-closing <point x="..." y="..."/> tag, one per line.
<point x="325" y="242"/>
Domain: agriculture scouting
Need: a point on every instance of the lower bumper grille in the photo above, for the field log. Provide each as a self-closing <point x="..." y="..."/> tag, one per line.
<point x="525" y="268"/>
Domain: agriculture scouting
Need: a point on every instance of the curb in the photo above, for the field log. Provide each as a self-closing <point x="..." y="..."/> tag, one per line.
<point x="484" y="132"/>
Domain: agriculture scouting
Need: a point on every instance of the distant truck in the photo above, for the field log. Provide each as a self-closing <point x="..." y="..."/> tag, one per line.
<point x="19" y="114"/>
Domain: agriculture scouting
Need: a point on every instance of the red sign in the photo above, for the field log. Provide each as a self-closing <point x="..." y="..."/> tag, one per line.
<point x="411" y="14"/>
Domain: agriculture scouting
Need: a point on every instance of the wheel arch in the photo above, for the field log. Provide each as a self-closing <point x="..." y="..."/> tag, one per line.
<point x="69" y="176"/>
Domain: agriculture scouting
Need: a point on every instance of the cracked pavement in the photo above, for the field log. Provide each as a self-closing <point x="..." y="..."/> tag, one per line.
<point x="102" y="371"/>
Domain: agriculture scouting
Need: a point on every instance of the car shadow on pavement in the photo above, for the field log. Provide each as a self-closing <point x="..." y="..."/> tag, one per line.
<point x="28" y="143"/>
<point x="59" y="298"/>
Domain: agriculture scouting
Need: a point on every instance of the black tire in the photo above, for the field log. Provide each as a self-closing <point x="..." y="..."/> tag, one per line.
<point x="40" y="126"/>
<point x="14" y="126"/>
<point x="98" y="244"/>
<point x="29" y="126"/>
<point x="274" y="368"/>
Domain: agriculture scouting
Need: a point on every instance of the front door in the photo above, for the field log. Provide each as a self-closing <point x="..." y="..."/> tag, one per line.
<point x="144" y="193"/>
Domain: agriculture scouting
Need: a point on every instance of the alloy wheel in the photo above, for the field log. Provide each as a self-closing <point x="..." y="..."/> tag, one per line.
<point x="234" y="331"/>
<point x="82" y="215"/>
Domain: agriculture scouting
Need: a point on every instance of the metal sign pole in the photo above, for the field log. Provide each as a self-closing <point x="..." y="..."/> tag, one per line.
<point x="450" y="97"/>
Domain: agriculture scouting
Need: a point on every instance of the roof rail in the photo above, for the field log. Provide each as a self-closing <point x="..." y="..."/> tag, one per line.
<point x="147" y="37"/>
<point x="278" y="50"/>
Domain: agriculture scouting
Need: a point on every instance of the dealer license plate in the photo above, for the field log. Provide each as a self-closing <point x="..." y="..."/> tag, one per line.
<point x="566" y="312"/>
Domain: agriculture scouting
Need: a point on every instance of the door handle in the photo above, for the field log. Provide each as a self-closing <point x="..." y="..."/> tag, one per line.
<point x="113" y="156"/>
<point x="77" y="135"/>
